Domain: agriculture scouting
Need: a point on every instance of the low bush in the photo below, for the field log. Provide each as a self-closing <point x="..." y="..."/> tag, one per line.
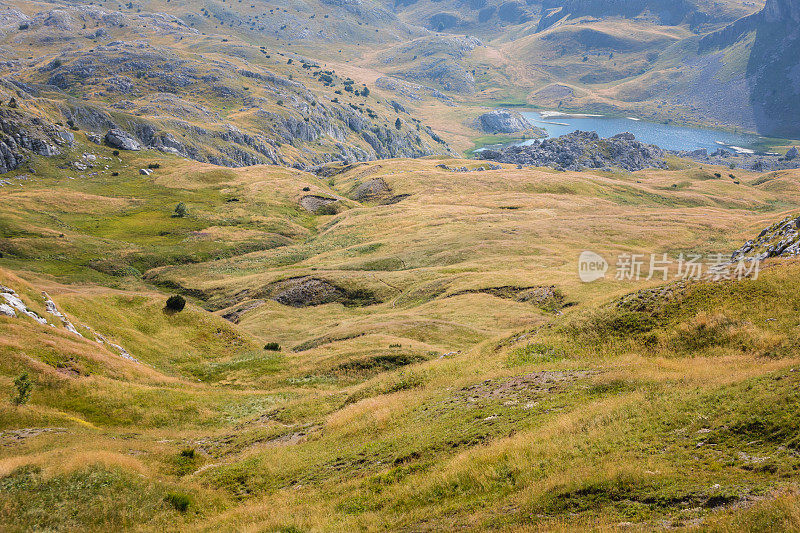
<point x="180" y="210"/>
<point x="176" y="303"/>
<point x="180" y="502"/>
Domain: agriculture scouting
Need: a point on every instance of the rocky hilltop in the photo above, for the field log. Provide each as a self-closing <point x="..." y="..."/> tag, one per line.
<point x="581" y="150"/>
<point x="504" y="121"/>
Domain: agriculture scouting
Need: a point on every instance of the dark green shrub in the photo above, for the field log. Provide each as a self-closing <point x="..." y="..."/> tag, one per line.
<point x="180" y="210"/>
<point x="188" y="453"/>
<point x="22" y="388"/>
<point x="272" y="347"/>
<point x="179" y="501"/>
<point x="176" y="303"/>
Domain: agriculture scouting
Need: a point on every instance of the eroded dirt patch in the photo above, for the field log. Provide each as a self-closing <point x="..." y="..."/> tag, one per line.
<point x="307" y="291"/>
<point x="548" y="297"/>
<point x="313" y="203"/>
<point x="12" y="437"/>
<point x="370" y="190"/>
<point x="520" y="387"/>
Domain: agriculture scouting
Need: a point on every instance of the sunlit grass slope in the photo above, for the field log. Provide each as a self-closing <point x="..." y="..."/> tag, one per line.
<point x="441" y="365"/>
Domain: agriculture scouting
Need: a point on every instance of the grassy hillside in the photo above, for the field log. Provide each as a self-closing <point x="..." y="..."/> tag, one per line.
<point x="375" y="342"/>
<point x="440" y="363"/>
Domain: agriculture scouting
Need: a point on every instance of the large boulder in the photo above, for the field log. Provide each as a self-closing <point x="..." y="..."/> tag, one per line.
<point x="503" y="121"/>
<point x="117" y="138"/>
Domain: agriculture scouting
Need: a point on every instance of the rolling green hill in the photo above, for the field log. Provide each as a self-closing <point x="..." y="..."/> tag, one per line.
<point x="417" y="354"/>
<point x="247" y="283"/>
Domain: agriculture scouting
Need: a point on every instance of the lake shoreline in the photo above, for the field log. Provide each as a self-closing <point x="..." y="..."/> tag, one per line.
<point x="668" y="136"/>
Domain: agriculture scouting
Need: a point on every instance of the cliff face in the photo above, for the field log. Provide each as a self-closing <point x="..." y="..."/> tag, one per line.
<point x="773" y="71"/>
<point x="781" y="11"/>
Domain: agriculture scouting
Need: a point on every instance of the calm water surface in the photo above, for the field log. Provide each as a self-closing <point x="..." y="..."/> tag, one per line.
<point x="664" y="135"/>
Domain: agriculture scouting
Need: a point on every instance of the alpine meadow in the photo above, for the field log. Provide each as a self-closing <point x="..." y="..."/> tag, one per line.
<point x="400" y="265"/>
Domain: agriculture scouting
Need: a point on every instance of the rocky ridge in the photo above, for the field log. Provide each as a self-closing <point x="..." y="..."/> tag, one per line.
<point x="582" y="150"/>
<point x="132" y="92"/>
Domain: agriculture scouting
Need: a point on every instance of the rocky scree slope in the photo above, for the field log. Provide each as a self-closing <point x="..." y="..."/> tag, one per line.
<point x="581" y="150"/>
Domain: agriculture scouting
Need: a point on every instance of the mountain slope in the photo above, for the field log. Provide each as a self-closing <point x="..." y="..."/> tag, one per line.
<point x="176" y="90"/>
<point x="772" y="73"/>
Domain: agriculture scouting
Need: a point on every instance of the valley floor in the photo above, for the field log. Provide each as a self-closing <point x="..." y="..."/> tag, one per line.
<point x="440" y="366"/>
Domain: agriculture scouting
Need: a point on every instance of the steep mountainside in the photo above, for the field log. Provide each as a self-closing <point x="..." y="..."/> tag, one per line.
<point x="771" y="43"/>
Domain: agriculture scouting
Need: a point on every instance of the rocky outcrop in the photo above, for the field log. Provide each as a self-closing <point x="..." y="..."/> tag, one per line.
<point x="21" y="134"/>
<point x="313" y="203"/>
<point x="370" y="190"/>
<point x="117" y="138"/>
<point x="158" y="99"/>
<point x="781" y="239"/>
<point x="744" y="160"/>
<point x="581" y="150"/>
<point x="52" y="308"/>
<point x="14" y="302"/>
<point x="503" y="121"/>
<point x="482" y="168"/>
<point x="793" y="154"/>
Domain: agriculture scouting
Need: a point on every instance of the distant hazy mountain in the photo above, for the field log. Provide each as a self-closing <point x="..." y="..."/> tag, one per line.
<point x="772" y="71"/>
